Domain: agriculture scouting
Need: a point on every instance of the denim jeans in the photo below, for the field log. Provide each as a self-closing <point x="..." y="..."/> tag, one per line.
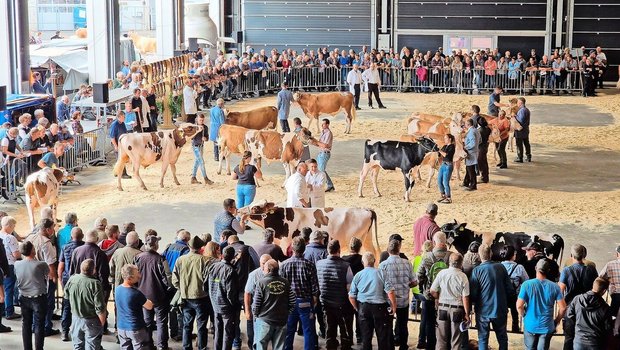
<point x="536" y="341"/>
<point x="199" y="161"/>
<point x="499" y="326"/>
<point x="86" y="333"/>
<point x="245" y="195"/>
<point x="33" y="309"/>
<point x="301" y="313"/>
<point x="264" y="333"/>
<point x="429" y="316"/>
<point x="443" y="178"/>
<point x="195" y="309"/>
<point x="9" y="292"/>
<point x="216" y="151"/>
<point x="224" y="330"/>
<point x="422" y="333"/>
<point x="322" y="158"/>
<point x="65" y="316"/>
<point x="157" y="320"/>
<point x="284" y="125"/>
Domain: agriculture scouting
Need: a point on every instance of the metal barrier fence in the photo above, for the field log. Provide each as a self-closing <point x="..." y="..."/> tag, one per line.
<point x="420" y="79"/>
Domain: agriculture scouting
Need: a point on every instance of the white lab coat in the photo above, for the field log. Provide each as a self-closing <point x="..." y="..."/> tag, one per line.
<point x="316" y="186"/>
<point x="296" y="189"/>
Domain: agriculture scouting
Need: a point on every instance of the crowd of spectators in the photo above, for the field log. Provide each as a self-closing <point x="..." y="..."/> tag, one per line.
<point x="159" y="292"/>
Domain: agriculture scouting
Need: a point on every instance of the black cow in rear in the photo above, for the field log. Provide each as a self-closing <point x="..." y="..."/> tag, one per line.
<point x="389" y="155"/>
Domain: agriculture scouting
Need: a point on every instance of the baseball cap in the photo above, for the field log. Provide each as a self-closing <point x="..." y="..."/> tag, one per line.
<point x="196" y="243"/>
<point x="151" y="240"/>
<point x="431" y="208"/>
<point x="533" y="246"/>
<point x="316" y="235"/>
<point x="543" y="266"/>
<point x="396" y="236"/>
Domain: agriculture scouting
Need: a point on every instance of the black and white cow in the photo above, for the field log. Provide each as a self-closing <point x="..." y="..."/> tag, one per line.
<point x="460" y="237"/>
<point x="389" y="155"/>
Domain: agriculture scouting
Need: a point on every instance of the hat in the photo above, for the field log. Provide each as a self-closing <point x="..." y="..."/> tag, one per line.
<point x="316" y="235"/>
<point x="151" y="240"/>
<point x="474" y="246"/>
<point x="543" y="266"/>
<point x="431" y="208"/>
<point x="533" y="246"/>
<point x="196" y="243"/>
<point x="396" y="236"/>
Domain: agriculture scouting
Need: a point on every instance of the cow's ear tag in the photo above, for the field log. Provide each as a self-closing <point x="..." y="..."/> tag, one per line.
<point x="461" y="228"/>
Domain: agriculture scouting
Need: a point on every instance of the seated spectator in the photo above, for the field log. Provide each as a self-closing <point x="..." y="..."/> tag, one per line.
<point x="10" y="146"/>
<point x="50" y="159"/>
<point x="64" y="135"/>
<point x="62" y="109"/>
<point x="52" y="134"/>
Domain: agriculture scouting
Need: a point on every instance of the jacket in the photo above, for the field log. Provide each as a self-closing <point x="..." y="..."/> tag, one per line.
<point x="315" y="252"/>
<point x="332" y="275"/>
<point x="472" y="142"/>
<point x="592" y="319"/>
<point x="224" y="288"/>
<point x="273" y="300"/>
<point x="120" y="258"/>
<point x="190" y="272"/>
<point x="246" y="262"/>
<point x="156" y="281"/>
<point x="102" y="267"/>
<point x="173" y="251"/>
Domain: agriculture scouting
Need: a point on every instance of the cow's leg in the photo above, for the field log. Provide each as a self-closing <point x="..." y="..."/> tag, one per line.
<point x="228" y="165"/>
<point x="374" y="177"/>
<point x="136" y="174"/>
<point x="173" y="169"/>
<point x="365" y="169"/>
<point x="457" y="167"/>
<point x="409" y="182"/>
<point x="431" y="174"/>
<point x="31" y="205"/>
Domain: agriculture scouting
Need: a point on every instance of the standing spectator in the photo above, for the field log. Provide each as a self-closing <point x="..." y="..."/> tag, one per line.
<point x="129" y="301"/>
<point x="62" y="109"/>
<point x="490" y="67"/>
<point x="226" y="220"/>
<point x="248" y="295"/>
<point x="503" y="125"/>
<point x="575" y="279"/>
<point x="536" y="304"/>
<point x="224" y="293"/>
<point x="32" y="276"/>
<point x="131" y="118"/>
<point x="601" y="60"/>
<point x="189" y="100"/>
<point x="11" y="248"/>
<point x="197" y="146"/>
<point x="268" y="247"/>
<point x="490" y="292"/>
<point x="245" y="173"/>
<point x="472" y="142"/>
<point x="471" y="259"/>
<point x="155" y="284"/>
<point x="123" y="256"/>
<point x="355" y="261"/>
<point x="188" y="277"/>
<point x="451" y="289"/>
<point x="303" y="278"/>
<point x="136" y="105"/>
<point x="325" y="146"/>
<point x="64" y="265"/>
<point x="517" y="275"/>
<point x="171" y="253"/>
<point x="118" y="128"/>
<point x="316" y="249"/>
<point x="399" y="273"/>
<point x="373" y="80"/>
<point x="274" y="301"/>
<point x="385" y="254"/>
<point x="354" y="79"/>
<point x="85" y="295"/>
<point x="534" y="253"/>
<point x="590" y="314"/>
<point x="283" y="103"/>
<point x="445" y="171"/>
<point x="483" y="149"/>
<point x="523" y="136"/>
<point x="316" y="184"/>
<point x="217" y="119"/>
<point x="111" y="244"/>
<point x="370" y="296"/>
<point x="424" y="228"/>
<point x="4" y="272"/>
<point x="297" y="188"/>
<point x="64" y="234"/>
<point x="611" y="271"/>
<point x="45" y="251"/>
<point x="335" y="276"/>
<point x="306" y="153"/>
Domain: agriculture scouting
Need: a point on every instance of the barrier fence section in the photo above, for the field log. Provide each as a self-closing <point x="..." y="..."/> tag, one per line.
<point x="418" y="79"/>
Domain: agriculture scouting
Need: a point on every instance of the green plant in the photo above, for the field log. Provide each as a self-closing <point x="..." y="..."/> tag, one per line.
<point x="159" y="105"/>
<point x="174" y="104"/>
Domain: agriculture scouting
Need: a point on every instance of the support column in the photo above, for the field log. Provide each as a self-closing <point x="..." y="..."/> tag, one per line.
<point x="5" y="49"/>
<point x="165" y="28"/>
<point x="103" y="39"/>
<point x="18" y="42"/>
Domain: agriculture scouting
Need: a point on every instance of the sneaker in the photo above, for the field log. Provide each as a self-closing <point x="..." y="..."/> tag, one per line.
<point x="382" y="107"/>
<point x="13" y="316"/>
<point x="52" y="332"/>
<point x="5" y="329"/>
<point x="421" y="345"/>
<point x="518" y="160"/>
<point x="65" y="336"/>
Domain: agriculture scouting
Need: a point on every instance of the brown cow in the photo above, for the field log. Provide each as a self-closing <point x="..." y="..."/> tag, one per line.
<point x="144" y="149"/>
<point x="314" y="105"/>
<point x="230" y="140"/>
<point x="257" y="119"/>
<point x="142" y="43"/>
<point x="427" y="117"/>
<point x="419" y="126"/>
<point x="42" y="188"/>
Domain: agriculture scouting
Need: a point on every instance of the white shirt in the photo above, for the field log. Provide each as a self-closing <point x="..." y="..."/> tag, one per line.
<point x="10" y="246"/>
<point x="371" y="76"/>
<point x="296" y="189"/>
<point x="354" y="77"/>
<point x="452" y="285"/>
<point x="189" y="100"/>
<point x="316" y="186"/>
<point x="145" y="112"/>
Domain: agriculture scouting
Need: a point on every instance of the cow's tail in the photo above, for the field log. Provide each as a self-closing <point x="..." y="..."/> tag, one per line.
<point x="373" y="220"/>
<point x="123" y="158"/>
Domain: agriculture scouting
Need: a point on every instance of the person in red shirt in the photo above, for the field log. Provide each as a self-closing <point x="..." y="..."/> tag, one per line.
<point x="110" y="245"/>
<point x="424" y="228"/>
<point x="503" y="124"/>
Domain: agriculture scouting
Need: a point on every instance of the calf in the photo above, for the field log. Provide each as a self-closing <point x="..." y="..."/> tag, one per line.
<point x="259" y="118"/>
<point x="390" y="155"/>
<point x="314" y="105"/>
<point x="41" y="189"/>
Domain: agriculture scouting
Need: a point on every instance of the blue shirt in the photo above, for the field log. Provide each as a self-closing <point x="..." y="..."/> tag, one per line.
<point x="66" y="253"/>
<point x="50" y="159"/>
<point x="369" y="286"/>
<point x="125" y="71"/>
<point x="472" y="140"/>
<point x="64" y="236"/>
<point x="285" y="98"/>
<point x="523" y="117"/>
<point x="130" y="117"/>
<point x="489" y="289"/>
<point x="344" y="61"/>
<point x="62" y="111"/>
<point x="129" y="303"/>
<point x="172" y="253"/>
<point x="540" y="297"/>
<point x="3" y="133"/>
<point x="117" y="129"/>
<point x="217" y="119"/>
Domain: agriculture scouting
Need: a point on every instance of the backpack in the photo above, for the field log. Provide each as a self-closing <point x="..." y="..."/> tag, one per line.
<point x="437" y="266"/>
<point x="516" y="282"/>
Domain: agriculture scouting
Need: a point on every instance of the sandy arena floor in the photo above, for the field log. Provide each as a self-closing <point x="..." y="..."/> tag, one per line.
<point x="572" y="187"/>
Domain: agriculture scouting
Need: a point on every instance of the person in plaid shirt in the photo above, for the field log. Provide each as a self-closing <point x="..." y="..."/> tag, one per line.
<point x="399" y="272"/>
<point x="611" y="271"/>
<point x="304" y="283"/>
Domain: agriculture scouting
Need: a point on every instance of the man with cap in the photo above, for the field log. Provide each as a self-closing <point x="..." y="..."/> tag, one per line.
<point x="611" y="271"/>
<point x="283" y="103"/>
<point x="424" y="228"/>
<point x="188" y="278"/>
<point x="399" y="273"/>
<point x="223" y="285"/>
<point x="534" y="252"/>
<point x="385" y="254"/>
<point x="536" y="304"/>
<point x="155" y="284"/>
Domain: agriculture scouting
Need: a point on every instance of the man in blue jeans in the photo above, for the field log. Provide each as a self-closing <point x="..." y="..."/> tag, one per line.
<point x="490" y="287"/>
<point x="325" y="145"/>
<point x="302" y="275"/>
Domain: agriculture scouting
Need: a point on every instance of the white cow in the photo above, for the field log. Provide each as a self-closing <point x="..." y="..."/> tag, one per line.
<point x="42" y="188"/>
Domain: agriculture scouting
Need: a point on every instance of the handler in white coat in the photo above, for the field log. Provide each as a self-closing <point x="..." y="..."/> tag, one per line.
<point x="316" y="184"/>
<point x="297" y="189"/>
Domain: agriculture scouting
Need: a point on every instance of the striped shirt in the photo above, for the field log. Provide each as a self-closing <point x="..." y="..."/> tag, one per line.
<point x="611" y="271"/>
<point x="399" y="272"/>
<point x="302" y="275"/>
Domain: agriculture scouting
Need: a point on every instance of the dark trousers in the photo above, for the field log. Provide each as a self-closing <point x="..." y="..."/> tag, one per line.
<point x="216" y="151"/>
<point x="153" y="120"/>
<point x="375" y="317"/>
<point x="49" y="310"/>
<point x="483" y="164"/>
<point x="250" y="332"/>
<point x="615" y="303"/>
<point x="501" y="151"/>
<point x="284" y="125"/>
<point x="429" y="313"/>
<point x="157" y="320"/>
<point x="470" y="177"/>
<point x="176" y="322"/>
<point x="339" y="318"/>
<point x="374" y="89"/>
<point x="224" y="330"/>
<point x="65" y="316"/>
<point x="358" y="93"/>
<point x="568" y="326"/>
<point x="33" y="309"/>
<point x="401" y="332"/>
<point x="523" y="142"/>
<point x="195" y="309"/>
<point x="237" y="320"/>
<point x="320" y="317"/>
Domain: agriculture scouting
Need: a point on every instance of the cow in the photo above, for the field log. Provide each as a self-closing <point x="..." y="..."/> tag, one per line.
<point x="273" y="146"/>
<point x="144" y="149"/>
<point x="389" y="155"/>
<point x="419" y="126"/>
<point x="145" y="45"/>
<point x="230" y="140"/>
<point x="339" y="223"/>
<point x="427" y="117"/>
<point x="314" y="105"/>
<point x="259" y="118"/>
<point x="460" y="237"/>
<point x="41" y="189"/>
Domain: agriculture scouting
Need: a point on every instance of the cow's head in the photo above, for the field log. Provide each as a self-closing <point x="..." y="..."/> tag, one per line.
<point x="459" y="236"/>
<point x="455" y="128"/>
<point x="428" y="144"/>
<point x="59" y="173"/>
<point x="297" y="96"/>
<point x="457" y="117"/>
<point x="185" y="132"/>
<point x="226" y="111"/>
<point x="304" y="135"/>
